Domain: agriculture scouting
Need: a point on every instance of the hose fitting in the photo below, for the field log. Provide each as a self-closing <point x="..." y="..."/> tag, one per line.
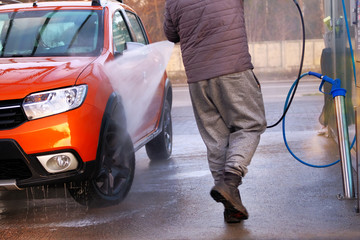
<point x="336" y="89"/>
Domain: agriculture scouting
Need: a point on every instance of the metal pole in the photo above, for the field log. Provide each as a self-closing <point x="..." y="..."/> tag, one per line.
<point x="343" y="137"/>
<point x="357" y="162"/>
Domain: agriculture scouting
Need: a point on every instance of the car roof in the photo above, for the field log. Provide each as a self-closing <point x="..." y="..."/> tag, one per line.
<point x="65" y="4"/>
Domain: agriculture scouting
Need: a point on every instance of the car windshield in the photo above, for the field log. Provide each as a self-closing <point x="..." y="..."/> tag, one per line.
<point x="50" y="33"/>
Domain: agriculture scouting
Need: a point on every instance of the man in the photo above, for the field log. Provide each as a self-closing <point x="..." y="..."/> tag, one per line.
<point x="225" y="94"/>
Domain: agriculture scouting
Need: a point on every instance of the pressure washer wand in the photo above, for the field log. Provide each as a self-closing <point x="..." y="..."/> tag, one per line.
<point x="338" y="94"/>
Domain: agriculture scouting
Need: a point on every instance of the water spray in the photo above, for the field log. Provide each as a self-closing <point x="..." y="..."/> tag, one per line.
<point x="140" y="68"/>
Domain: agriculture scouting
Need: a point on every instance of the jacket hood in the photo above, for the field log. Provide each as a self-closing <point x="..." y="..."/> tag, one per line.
<point x="21" y="76"/>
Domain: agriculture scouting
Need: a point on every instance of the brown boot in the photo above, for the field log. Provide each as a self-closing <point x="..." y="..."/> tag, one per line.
<point x="228" y="194"/>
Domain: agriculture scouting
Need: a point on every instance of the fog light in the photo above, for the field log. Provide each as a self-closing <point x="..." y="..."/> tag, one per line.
<point x="60" y="162"/>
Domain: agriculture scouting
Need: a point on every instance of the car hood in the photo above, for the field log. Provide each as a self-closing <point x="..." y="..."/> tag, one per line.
<point x="22" y="76"/>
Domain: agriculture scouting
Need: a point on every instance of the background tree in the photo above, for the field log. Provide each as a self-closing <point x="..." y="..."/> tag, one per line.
<point x="266" y="20"/>
<point x="275" y="20"/>
<point x="152" y="15"/>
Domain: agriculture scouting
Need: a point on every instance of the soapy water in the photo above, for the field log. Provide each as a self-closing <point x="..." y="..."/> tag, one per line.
<point x="136" y="76"/>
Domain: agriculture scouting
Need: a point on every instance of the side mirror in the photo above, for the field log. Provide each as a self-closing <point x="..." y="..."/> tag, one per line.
<point x="128" y="47"/>
<point x="132" y="45"/>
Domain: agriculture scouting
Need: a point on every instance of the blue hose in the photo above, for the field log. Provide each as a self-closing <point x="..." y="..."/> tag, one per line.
<point x="284" y="135"/>
<point x="305" y="74"/>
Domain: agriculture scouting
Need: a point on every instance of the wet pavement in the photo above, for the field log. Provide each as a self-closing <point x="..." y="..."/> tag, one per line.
<point x="170" y="200"/>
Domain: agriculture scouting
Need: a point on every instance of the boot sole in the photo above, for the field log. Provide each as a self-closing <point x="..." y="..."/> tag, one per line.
<point x="232" y="217"/>
<point x="240" y="215"/>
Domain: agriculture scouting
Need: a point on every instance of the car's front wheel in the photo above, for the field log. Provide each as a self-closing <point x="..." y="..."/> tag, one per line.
<point x="116" y="169"/>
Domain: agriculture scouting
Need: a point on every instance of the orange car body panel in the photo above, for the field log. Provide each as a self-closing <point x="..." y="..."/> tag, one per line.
<point x="21" y="76"/>
<point x="77" y="129"/>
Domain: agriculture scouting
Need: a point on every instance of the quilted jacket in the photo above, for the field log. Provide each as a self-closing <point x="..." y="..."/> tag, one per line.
<point x="212" y="36"/>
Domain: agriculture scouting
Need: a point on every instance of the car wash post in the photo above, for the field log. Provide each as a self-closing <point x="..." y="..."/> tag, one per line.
<point x="338" y="95"/>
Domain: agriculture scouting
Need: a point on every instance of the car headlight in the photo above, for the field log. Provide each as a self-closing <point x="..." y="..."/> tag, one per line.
<point x="52" y="102"/>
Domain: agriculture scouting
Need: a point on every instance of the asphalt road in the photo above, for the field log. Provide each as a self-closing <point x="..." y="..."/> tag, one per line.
<point x="170" y="200"/>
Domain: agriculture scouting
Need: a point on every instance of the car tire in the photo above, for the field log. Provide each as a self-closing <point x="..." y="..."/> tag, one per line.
<point x="160" y="148"/>
<point x="116" y="158"/>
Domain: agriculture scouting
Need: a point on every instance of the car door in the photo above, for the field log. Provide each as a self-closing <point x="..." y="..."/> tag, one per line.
<point x="143" y="96"/>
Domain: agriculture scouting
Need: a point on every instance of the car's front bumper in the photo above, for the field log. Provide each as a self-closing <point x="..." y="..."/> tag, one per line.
<point x="19" y="170"/>
<point x="76" y="132"/>
<point x="77" y="129"/>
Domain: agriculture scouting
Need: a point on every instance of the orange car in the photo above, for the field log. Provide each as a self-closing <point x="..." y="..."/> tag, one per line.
<point x="60" y="118"/>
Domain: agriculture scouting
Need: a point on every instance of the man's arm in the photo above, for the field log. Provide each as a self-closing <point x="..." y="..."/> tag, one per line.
<point x="169" y="27"/>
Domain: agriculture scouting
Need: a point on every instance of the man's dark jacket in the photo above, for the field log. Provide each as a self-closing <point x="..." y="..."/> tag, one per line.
<point x="212" y="36"/>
